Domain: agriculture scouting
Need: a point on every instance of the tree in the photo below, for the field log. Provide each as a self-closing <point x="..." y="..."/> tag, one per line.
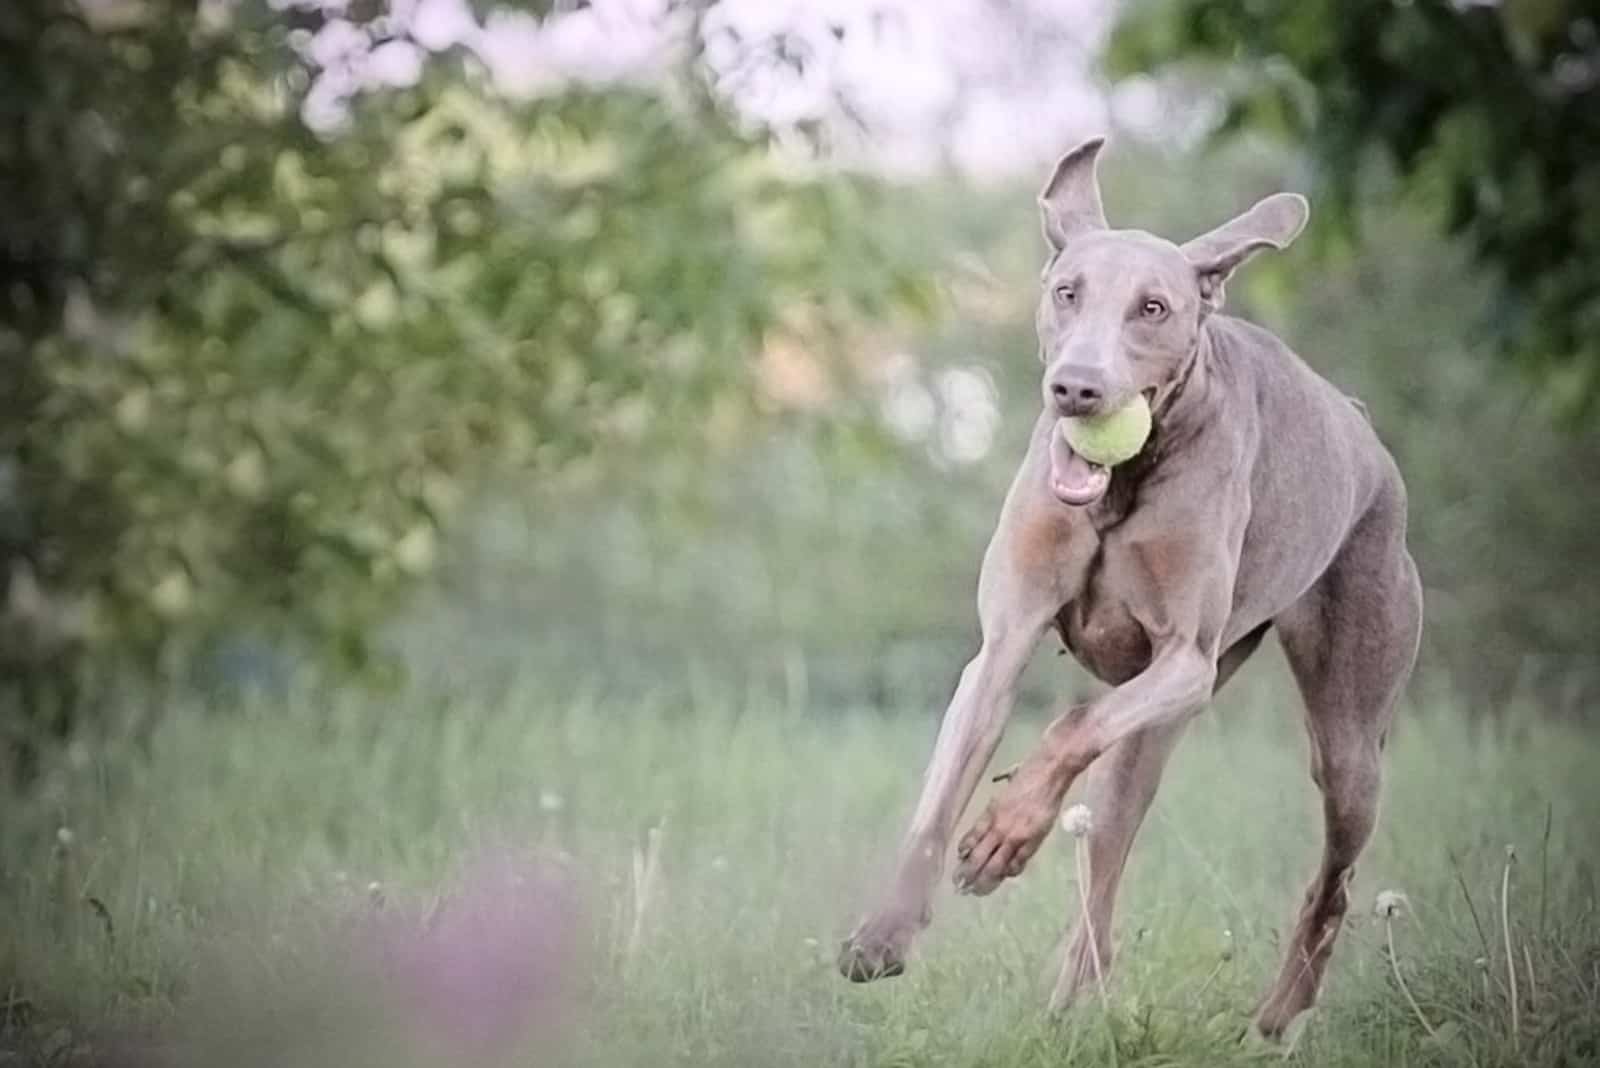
<point x="248" y="371"/>
<point x="1490" y="111"/>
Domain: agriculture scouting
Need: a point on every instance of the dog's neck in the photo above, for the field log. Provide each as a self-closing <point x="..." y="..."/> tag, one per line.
<point x="1180" y="406"/>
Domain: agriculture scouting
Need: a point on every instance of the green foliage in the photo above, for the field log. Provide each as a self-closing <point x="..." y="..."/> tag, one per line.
<point x="252" y="372"/>
<point x="1490" y="112"/>
<point x="861" y="566"/>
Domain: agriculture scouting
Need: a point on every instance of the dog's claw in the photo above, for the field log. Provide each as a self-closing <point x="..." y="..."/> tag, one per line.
<point x="877" y="949"/>
<point x="861" y="967"/>
<point x="1002" y="841"/>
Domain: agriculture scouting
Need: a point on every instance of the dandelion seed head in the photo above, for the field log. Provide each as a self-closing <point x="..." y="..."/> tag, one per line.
<point x="1077" y="820"/>
<point x="1390" y="903"/>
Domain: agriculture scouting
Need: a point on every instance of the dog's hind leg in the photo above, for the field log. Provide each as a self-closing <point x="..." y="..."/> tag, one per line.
<point x="1235" y="656"/>
<point x="1351" y="643"/>
<point x="1120" y="788"/>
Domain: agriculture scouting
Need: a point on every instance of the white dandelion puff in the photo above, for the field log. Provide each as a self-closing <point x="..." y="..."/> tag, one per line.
<point x="1077" y="821"/>
<point x="1391" y="903"/>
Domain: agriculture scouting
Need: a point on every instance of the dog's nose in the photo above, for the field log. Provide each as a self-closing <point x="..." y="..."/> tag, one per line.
<point x="1076" y="390"/>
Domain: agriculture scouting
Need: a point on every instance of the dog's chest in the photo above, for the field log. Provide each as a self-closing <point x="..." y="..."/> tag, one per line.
<point x="1100" y="631"/>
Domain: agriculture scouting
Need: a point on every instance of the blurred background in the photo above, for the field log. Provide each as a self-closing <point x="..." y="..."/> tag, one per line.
<point x="425" y="342"/>
<point x="440" y="350"/>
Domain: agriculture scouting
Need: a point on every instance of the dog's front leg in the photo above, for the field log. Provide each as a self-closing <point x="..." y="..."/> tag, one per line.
<point x="1176" y="684"/>
<point x="968" y="736"/>
<point x="1019" y="594"/>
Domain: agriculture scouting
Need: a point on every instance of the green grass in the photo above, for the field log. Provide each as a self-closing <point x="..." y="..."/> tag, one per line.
<point x="237" y="852"/>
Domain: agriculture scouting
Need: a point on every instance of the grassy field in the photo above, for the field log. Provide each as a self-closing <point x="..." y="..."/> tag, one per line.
<point x="685" y="869"/>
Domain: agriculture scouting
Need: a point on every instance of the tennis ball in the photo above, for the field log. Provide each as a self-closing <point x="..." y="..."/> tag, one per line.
<point x="1110" y="439"/>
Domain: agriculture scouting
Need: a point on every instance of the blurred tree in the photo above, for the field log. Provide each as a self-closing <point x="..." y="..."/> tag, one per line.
<point x="1489" y="111"/>
<point x="814" y="571"/>
<point x="247" y="371"/>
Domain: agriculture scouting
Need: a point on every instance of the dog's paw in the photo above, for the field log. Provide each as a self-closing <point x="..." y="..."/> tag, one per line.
<point x="877" y="948"/>
<point x="1004" y="839"/>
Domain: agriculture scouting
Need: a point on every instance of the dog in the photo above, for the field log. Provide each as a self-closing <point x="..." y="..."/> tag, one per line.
<point x="1263" y="499"/>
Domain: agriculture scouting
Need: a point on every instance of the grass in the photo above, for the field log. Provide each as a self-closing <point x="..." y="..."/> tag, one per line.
<point x="205" y="891"/>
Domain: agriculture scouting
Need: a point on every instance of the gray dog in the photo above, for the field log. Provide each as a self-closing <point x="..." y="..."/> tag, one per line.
<point x="1263" y="498"/>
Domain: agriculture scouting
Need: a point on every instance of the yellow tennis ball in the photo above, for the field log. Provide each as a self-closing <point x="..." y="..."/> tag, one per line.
<point x="1110" y="439"/>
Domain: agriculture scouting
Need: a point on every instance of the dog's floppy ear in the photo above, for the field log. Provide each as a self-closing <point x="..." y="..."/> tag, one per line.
<point x="1272" y="223"/>
<point x="1070" y="200"/>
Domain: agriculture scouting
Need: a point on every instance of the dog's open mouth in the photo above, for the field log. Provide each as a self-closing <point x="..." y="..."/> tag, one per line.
<point x="1073" y="479"/>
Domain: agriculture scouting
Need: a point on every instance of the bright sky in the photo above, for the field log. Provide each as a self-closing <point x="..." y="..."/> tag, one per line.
<point x="990" y="86"/>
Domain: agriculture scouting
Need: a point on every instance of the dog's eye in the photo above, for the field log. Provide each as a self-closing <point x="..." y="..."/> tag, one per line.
<point x="1153" y="309"/>
<point x="1065" y="295"/>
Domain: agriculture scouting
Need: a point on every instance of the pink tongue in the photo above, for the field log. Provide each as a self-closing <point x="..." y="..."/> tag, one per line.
<point x="1072" y="478"/>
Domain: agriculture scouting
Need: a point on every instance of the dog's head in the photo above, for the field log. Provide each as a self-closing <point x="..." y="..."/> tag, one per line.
<point x="1121" y="310"/>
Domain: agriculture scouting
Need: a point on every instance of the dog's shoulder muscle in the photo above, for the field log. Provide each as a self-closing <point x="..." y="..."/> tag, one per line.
<point x="1316" y="469"/>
